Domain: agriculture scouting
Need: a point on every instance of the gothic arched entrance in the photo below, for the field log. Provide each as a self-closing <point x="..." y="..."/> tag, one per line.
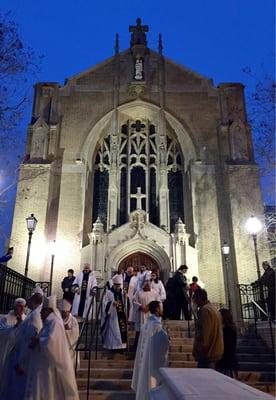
<point x="137" y="259"/>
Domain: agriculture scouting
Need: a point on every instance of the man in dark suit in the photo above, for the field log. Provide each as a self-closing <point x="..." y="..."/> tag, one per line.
<point x="67" y="284"/>
<point x="179" y="290"/>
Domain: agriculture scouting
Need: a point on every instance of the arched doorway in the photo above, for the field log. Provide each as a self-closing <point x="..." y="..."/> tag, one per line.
<point x="137" y="259"/>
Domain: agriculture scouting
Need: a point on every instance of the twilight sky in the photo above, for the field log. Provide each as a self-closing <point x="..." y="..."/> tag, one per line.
<point x="216" y="38"/>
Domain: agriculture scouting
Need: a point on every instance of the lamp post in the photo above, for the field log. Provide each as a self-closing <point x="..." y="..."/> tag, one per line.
<point x="253" y="227"/>
<point x="52" y="252"/>
<point x="31" y="224"/>
<point x="226" y="251"/>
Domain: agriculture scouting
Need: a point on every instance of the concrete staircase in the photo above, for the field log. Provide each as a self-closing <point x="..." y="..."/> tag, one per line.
<point x="111" y="373"/>
<point x="257" y="363"/>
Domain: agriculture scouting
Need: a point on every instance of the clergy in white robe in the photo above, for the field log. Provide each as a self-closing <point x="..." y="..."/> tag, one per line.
<point x="9" y="329"/>
<point x="85" y="283"/>
<point x="158" y="286"/>
<point x="152" y="354"/>
<point x="71" y="326"/>
<point x="130" y="295"/>
<point x="17" y="365"/>
<point x="114" y="321"/>
<point x="140" y="278"/>
<point x="141" y="300"/>
<point x="51" y="375"/>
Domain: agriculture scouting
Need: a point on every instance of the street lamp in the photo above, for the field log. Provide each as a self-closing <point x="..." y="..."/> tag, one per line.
<point x="31" y="224"/>
<point x="253" y="227"/>
<point x="52" y="252"/>
<point x="226" y="251"/>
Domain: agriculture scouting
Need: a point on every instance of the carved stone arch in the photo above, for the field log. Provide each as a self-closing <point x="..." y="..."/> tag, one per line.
<point x="138" y="244"/>
<point x="134" y="110"/>
<point x="184" y="134"/>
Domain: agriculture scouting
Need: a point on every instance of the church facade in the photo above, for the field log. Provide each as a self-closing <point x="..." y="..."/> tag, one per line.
<point x="139" y="160"/>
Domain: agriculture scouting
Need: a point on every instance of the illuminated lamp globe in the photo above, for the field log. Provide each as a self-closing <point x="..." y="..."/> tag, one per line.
<point x="253" y="225"/>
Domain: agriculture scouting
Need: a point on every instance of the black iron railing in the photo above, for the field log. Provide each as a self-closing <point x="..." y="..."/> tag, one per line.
<point x="250" y="309"/>
<point x="88" y="338"/>
<point x="254" y="307"/>
<point x="14" y="285"/>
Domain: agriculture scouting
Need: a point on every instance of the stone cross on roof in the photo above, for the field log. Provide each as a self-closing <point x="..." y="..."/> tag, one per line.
<point x="138" y="196"/>
<point x="138" y="33"/>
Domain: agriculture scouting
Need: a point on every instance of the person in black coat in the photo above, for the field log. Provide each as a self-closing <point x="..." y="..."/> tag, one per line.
<point x="67" y="285"/>
<point x="228" y="365"/>
<point x="8" y="256"/>
<point x="179" y="292"/>
<point x="268" y="280"/>
<point x="169" y="307"/>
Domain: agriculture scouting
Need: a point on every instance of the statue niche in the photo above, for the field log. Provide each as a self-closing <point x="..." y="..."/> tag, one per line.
<point x="39" y="143"/>
<point x="238" y="141"/>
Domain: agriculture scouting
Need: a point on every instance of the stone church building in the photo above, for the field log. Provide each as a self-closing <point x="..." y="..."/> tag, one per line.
<point x="139" y="160"/>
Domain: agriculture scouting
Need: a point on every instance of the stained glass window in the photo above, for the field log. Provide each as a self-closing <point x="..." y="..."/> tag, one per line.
<point x="100" y="198"/>
<point x="175" y="183"/>
<point x="123" y="197"/>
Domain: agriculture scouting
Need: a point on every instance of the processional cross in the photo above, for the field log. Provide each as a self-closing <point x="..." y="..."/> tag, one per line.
<point x="138" y="196"/>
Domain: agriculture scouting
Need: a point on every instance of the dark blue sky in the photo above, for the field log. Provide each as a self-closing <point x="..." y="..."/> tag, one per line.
<point x="216" y="38"/>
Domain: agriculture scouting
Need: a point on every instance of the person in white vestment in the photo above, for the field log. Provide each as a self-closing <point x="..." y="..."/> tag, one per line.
<point x="157" y="285"/>
<point x="51" y="375"/>
<point x="114" y="321"/>
<point x="38" y="289"/>
<point x="17" y="365"/>
<point x="9" y="329"/>
<point x="71" y="326"/>
<point x="141" y="300"/>
<point x="140" y="278"/>
<point x="130" y="295"/>
<point x="85" y="284"/>
<point x="152" y="353"/>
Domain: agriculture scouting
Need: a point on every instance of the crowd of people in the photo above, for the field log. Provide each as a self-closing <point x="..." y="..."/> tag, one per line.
<point x="38" y="337"/>
<point x="37" y="342"/>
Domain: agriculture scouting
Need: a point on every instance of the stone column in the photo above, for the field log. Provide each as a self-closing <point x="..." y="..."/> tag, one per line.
<point x="164" y="210"/>
<point x="113" y="175"/>
<point x="207" y="229"/>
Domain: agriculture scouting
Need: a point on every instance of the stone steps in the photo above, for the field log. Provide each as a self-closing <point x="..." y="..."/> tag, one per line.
<point x="256" y="366"/>
<point x="107" y="373"/>
<point x="244" y="357"/>
<point x="181" y="348"/>
<point x="109" y="364"/>
<point x="111" y="373"/>
<point x="257" y="376"/>
<point x="248" y="348"/>
<point x="266" y="387"/>
<point x="108" y="395"/>
<point x="105" y="384"/>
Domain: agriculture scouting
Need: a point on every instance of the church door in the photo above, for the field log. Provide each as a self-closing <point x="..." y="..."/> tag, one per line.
<point x="135" y="260"/>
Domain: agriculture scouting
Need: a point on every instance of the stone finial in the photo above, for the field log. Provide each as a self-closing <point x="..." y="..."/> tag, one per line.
<point x="179" y="226"/>
<point x="117" y="45"/>
<point x="160" y="44"/>
<point x="98" y="226"/>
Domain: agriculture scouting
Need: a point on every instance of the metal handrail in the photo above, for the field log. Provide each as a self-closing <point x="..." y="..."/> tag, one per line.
<point x="254" y="302"/>
<point x="86" y="320"/>
<point x="251" y="299"/>
<point x="93" y="332"/>
<point x="14" y="284"/>
<point x="93" y="312"/>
